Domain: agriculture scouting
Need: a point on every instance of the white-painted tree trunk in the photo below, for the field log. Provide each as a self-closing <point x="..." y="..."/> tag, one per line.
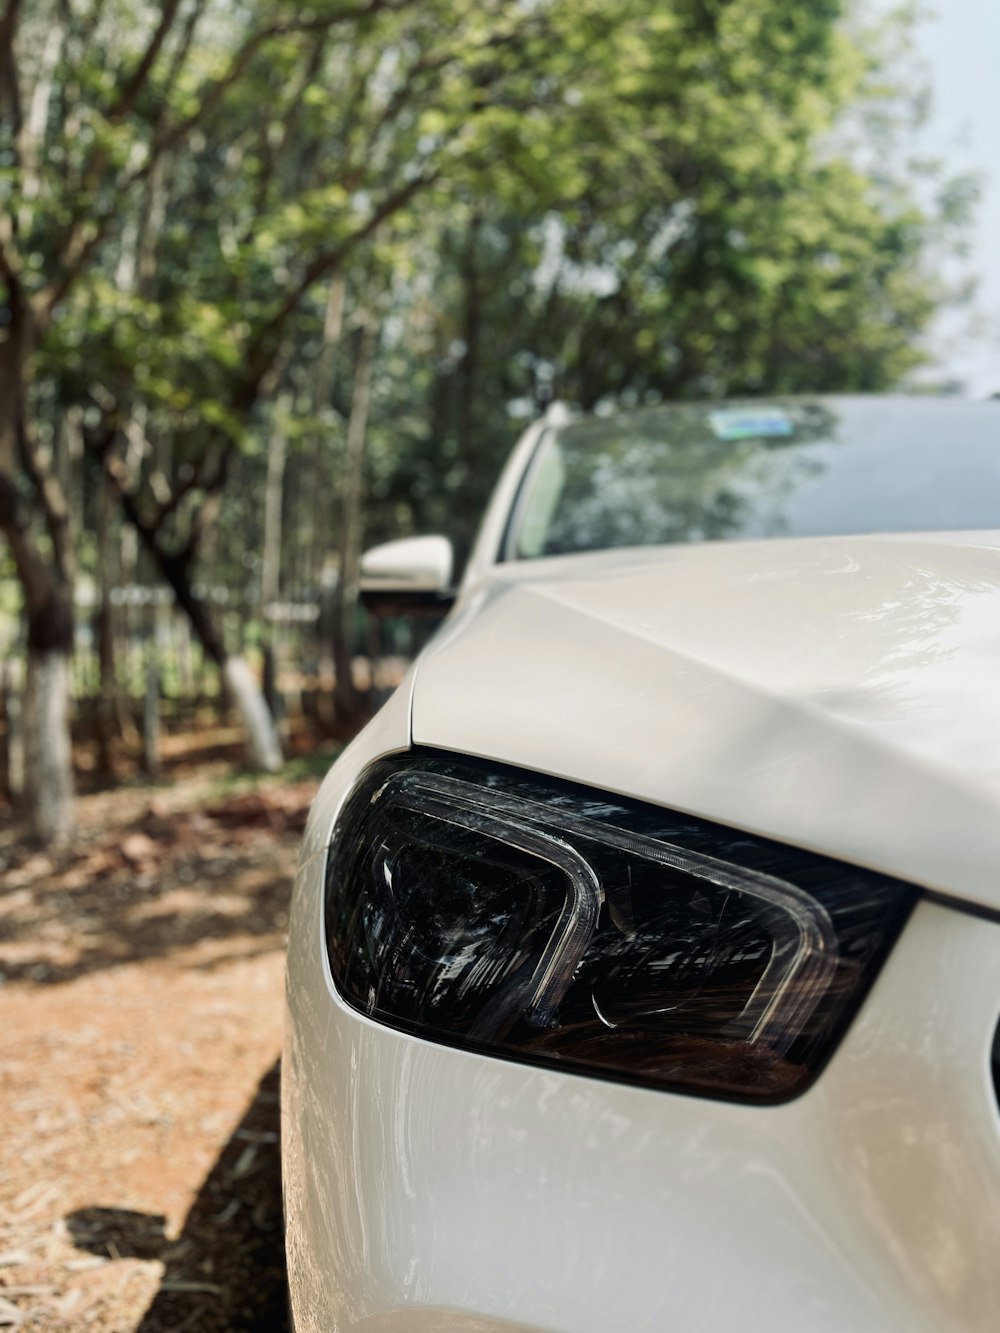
<point x="14" y="698"/>
<point x="265" y="747"/>
<point x="48" y="768"/>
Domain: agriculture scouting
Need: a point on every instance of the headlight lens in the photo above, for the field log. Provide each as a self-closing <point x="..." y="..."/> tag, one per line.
<point x="545" y="923"/>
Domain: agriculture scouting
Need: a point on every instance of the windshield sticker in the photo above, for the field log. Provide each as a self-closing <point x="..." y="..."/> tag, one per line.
<point x="748" y="422"/>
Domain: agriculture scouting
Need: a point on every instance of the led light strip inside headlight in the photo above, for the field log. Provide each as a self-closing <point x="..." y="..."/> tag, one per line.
<point x="538" y="921"/>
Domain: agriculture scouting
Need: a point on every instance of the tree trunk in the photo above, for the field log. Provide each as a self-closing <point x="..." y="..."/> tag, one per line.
<point x="13" y="688"/>
<point x="468" y="499"/>
<point x="48" y="760"/>
<point x="262" y="735"/>
<point x="346" y="701"/>
<point x="151" y="704"/>
<point x="255" y="714"/>
<point x="106" y="711"/>
<point x="47" y="591"/>
<point x="326" y="364"/>
<point x="270" y="569"/>
<point x="320" y="565"/>
<point x="274" y="489"/>
<point x="48" y="788"/>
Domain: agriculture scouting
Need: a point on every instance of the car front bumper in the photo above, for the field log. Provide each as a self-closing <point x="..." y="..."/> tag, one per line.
<point x="427" y="1188"/>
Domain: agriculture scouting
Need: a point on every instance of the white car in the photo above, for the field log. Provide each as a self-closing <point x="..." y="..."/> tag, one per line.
<point x="644" y="966"/>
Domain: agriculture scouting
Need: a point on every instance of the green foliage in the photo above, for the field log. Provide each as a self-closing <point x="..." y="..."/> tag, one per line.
<point x="566" y="197"/>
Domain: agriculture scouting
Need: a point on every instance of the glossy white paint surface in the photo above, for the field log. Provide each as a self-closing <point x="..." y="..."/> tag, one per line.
<point x="413" y="564"/>
<point x="839" y="694"/>
<point x="842" y="694"/>
<point x="428" y="1188"/>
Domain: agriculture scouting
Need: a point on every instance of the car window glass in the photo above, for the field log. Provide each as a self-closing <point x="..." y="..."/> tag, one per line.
<point x="711" y="473"/>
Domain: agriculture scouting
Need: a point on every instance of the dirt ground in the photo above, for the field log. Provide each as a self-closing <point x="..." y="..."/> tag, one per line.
<point x="140" y="1030"/>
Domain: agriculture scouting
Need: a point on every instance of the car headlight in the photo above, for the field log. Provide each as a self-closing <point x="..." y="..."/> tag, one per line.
<point x="530" y="919"/>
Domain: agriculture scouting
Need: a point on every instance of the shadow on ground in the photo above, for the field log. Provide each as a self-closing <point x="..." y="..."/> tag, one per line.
<point x="215" y="879"/>
<point x="226" y="1271"/>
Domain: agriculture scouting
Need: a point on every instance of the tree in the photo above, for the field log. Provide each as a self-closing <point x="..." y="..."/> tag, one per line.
<point x="558" y="197"/>
<point x="29" y="486"/>
<point x="729" y="238"/>
<point x="112" y="117"/>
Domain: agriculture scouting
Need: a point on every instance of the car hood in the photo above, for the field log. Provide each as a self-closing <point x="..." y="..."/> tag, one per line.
<point x="842" y="694"/>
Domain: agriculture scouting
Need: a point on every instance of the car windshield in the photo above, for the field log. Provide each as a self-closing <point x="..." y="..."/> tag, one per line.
<point x="740" y="470"/>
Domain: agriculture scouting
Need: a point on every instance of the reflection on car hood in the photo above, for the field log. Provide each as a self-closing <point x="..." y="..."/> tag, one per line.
<point x="839" y="693"/>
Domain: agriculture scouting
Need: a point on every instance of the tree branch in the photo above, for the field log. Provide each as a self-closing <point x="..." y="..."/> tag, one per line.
<point x="435" y="62"/>
<point x="281" y="27"/>
<point x="177" y="59"/>
<point x="83" y="239"/>
<point x="10" y="87"/>
<point x="32" y="135"/>
<point x="10" y="263"/>
<point x="286" y="118"/>
<point x="263" y="346"/>
<point x="84" y="234"/>
<point x="134" y="84"/>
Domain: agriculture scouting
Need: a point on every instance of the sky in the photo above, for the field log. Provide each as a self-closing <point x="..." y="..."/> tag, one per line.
<point x="960" y="43"/>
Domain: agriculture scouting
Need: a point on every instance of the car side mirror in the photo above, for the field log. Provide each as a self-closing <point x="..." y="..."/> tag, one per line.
<point x="408" y="577"/>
